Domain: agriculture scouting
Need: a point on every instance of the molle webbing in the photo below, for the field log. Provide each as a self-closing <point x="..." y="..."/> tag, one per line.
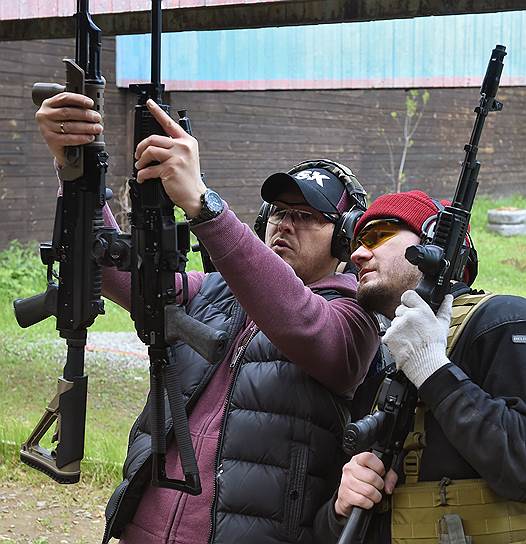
<point x="463" y="310"/>
<point x="486" y="517"/>
<point x="451" y="512"/>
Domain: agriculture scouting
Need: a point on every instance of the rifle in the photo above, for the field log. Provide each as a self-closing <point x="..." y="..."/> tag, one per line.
<point x="441" y="261"/>
<point x="75" y="300"/>
<point x="159" y="246"/>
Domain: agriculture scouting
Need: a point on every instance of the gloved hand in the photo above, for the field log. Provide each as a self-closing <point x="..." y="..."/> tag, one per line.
<point x="417" y="338"/>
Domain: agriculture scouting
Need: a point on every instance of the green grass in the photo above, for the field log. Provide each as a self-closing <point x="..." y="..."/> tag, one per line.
<point x="32" y="359"/>
<point x="29" y="372"/>
<point x="502" y="260"/>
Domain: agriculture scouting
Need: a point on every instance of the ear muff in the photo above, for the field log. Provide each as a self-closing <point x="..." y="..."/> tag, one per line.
<point x="260" y="225"/>
<point x="468" y="256"/>
<point x="344" y="227"/>
<point x="342" y="235"/>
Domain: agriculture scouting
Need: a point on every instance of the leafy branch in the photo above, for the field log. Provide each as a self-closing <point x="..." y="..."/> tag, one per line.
<point x="415" y="103"/>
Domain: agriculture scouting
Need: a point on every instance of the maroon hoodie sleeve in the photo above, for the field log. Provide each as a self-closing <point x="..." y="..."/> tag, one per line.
<point x="116" y="285"/>
<point x="333" y="341"/>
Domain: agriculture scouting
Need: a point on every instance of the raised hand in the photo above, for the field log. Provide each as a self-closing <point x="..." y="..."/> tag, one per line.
<point x="67" y="119"/>
<point x="175" y="159"/>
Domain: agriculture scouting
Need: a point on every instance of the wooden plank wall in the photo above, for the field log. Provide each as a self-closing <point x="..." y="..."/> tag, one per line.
<point x="28" y="183"/>
<point x="245" y="136"/>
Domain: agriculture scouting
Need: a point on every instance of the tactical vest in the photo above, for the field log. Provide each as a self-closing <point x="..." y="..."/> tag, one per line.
<point x="451" y="512"/>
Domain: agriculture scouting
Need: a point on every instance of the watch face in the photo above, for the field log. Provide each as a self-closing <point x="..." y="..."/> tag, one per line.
<point x="213" y="202"/>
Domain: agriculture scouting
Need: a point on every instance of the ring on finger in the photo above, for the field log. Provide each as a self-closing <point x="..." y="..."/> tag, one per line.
<point x="62" y="127"/>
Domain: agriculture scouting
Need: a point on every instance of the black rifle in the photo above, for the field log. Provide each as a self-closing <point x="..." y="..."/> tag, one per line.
<point x="158" y="250"/>
<point x="441" y="261"/>
<point x="75" y="300"/>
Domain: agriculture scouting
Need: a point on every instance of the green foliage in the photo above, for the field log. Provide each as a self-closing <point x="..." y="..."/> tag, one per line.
<point x="21" y="270"/>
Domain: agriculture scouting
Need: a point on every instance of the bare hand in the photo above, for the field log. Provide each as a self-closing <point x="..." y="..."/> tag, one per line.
<point x="67" y="120"/>
<point x="362" y="483"/>
<point x="177" y="155"/>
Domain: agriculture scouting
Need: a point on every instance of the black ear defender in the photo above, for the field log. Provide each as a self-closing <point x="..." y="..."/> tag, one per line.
<point x="344" y="226"/>
<point x="260" y="225"/>
<point x="469" y="256"/>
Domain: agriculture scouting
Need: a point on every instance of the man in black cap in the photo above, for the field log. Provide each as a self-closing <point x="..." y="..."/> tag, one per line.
<point x="266" y="422"/>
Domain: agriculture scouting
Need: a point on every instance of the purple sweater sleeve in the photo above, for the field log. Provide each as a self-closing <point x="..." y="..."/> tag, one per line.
<point x="116" y="285"/>
<point x="333" y="341"/>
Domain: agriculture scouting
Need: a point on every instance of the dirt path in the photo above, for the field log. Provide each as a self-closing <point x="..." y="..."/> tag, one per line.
<point x="48" y="513"/>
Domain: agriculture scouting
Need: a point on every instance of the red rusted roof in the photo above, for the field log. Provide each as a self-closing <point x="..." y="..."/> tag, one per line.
<point x="34" y="9"/>
<point x="38" y="19"/>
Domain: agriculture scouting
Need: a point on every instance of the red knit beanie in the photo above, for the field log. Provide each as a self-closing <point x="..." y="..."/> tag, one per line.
<point x="412" y="207"/>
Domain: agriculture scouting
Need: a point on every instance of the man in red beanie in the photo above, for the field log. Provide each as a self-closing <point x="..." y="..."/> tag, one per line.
<point x="463" y="477"/>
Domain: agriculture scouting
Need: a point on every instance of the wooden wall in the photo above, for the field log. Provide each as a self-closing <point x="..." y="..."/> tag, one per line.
<point x="28" y="184"/>
<point x="245" y="136"/>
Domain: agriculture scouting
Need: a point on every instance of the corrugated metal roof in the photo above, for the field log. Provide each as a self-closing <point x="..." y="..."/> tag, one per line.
<point x="425" y="52"/>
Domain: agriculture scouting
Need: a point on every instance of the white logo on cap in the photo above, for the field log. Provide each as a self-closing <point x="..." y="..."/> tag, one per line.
<point x="311" y="175"/>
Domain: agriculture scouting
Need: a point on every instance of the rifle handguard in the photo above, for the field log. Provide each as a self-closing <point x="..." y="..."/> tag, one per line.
<point x="179" y="326"/>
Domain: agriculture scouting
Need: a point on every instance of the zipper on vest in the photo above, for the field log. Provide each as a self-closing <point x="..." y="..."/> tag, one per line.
<point x="243" y="345"/>
<point x="253" y="330"/>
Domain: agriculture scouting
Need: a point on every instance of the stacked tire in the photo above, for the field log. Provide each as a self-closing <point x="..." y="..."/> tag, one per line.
<point x="507" y="221"/>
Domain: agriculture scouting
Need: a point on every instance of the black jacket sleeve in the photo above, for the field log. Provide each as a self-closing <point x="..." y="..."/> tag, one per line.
<point x="480" y="400"/>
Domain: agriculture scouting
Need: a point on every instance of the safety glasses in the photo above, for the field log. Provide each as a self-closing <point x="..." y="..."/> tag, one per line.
<point x="375" y="233"/>
<point x="300" y="219"/>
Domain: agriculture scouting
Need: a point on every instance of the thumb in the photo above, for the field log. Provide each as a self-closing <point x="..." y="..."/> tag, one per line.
<point x="167" y="123"/>
<point x="390" y="481"/>
<point x="445" y="310"/>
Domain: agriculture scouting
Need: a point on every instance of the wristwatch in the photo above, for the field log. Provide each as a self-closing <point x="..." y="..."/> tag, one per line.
<point x="211" y="206"/>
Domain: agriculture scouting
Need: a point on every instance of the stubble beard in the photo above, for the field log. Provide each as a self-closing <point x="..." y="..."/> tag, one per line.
<point x="382" y="295"/>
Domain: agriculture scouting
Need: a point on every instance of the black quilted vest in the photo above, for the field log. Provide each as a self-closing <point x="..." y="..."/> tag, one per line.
<point x="280" y="453"/>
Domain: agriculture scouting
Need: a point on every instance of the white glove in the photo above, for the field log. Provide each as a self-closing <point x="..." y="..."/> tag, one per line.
<point x="417" y="338"/>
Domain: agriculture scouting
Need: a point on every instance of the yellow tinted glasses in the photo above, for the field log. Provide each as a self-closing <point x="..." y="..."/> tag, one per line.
<point x="375" y="233"/>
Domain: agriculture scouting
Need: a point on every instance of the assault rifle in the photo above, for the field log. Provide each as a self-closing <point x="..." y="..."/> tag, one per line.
<point x="441" y="261"/>
<point x="158" y="250"/>
<point x="73" y="295"/>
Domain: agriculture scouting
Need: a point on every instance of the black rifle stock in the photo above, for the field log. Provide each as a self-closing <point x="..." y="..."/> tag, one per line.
<point x="441" y="261"/>
<point x="75" y="300"/>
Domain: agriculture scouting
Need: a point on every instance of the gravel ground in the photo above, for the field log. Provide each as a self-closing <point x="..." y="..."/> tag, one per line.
<point x="123" y="349"/>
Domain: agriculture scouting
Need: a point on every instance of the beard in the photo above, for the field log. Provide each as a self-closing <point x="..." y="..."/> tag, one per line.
<point x="382" y="295"/>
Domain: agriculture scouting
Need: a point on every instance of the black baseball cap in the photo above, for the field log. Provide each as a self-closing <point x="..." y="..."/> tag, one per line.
<point x="321" y="189"/>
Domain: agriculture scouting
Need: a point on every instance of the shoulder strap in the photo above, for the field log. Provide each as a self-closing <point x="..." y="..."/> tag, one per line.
<point x="464" y="307"/>
<point x="463" y="310"/>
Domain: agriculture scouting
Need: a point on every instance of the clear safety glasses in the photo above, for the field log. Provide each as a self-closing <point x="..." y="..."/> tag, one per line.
<point x="300" y="219"/>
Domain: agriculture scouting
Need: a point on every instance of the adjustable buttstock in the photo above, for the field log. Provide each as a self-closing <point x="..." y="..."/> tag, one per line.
<point x="68" y="410"/>
<point x="29" y="311"/>
<point x="43" y="91"/>
<point x="179" y="326"/>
